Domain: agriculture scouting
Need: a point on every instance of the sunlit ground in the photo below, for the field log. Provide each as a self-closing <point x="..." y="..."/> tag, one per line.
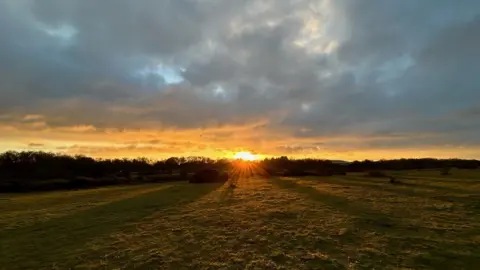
<point x="341" y="222"/>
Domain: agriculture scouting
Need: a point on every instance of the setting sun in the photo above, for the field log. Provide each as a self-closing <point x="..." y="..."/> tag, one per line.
<point x="245" y="156"/>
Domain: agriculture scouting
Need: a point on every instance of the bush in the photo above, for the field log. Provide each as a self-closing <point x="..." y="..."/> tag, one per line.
<point x="162" y="178"/>
<point x="52" y="184"/>
<point x="393" y="180"/>
<point x="12" y="185"/>
<point x="376" y="174"/>
<point x="296" y="172"/>
<point x="224" y="177"/>
<point x="209" y="176"/>
<point x="80" y="182"/>
<point x="269" y="172"/>
<point x="325" y="172"/>
<point x="445" y="171"/>
<point x="112" y="180"/>
<point x="262" y="173"/>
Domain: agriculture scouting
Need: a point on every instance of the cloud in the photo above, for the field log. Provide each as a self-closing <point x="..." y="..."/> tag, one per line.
<point x="35" y="145"/>
<point x="286" y="74"/>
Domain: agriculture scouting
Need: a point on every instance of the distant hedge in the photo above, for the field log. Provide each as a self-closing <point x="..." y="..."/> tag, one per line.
<point x="29" y="171"/>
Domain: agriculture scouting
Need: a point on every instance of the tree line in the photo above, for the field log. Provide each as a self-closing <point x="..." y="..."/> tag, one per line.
<point x="31" y="170"/>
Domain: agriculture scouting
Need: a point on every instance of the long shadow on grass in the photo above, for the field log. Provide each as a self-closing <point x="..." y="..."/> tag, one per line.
<point x="453" y="178"/>
<point x="226" y="195"/>
<point x="401" y="239"/>
<point x="364" y="215"/>
<point x="441" y="188"/>
<point x="403" y="189"/>
<point x="427" y="253"/>
<point x="44" y="243"/>
<point x="404" y="183"/>
<point x="460" y="182"/>
<point x="364" y="220"/>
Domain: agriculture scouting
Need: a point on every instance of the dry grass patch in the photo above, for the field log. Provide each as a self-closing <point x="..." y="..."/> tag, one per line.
<point x="340" y="222"/>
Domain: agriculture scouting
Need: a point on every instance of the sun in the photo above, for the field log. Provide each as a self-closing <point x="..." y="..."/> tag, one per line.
<point x="245" y="156"/>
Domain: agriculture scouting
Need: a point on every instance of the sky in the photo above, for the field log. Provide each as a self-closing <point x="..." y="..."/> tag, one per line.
<point x="336" y="79"/>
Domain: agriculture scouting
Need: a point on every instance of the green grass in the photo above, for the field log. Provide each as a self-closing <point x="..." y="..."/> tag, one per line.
<point x="342" y="222"/>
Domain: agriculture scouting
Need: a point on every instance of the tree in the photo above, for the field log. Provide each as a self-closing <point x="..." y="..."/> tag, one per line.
<point x="171" y="164"/>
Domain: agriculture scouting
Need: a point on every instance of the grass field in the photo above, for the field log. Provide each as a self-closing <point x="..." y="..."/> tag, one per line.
<point x="341" y="222"/>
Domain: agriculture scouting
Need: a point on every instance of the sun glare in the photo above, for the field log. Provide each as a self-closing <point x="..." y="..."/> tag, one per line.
<point x="245" y="156"/>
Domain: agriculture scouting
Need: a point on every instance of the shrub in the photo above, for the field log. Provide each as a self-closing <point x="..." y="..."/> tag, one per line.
<point x="162" y="178"/>
<point x="52" y="184"/>
<point x="13" y="185"/>
<point x="224" y="177"/>
<point x="445" y="171"/>
<point x="376" y="174"/>
<point x="325" y="172"/>
<point x="80" y="182"/>
<point x="269" y="172"/>
<point x="393" y="180"/>
<point x="209" y="176"/>
<point x="112" y="180"/>
<point x="298" y="172"/>
<point x="262" y="173"/>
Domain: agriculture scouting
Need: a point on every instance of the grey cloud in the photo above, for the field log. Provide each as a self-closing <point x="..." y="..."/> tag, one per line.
<point x="440" y="82"/>
<point x="143" y="26"/>
<point x="386" y="29"/>
<point x="401" y="67"/>
<point x="111" y="35"/>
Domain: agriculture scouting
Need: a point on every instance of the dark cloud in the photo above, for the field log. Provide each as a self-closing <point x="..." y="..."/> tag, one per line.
<point x="306" y="69"/>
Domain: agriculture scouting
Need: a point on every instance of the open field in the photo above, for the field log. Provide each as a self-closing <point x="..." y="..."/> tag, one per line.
<point x="340" y="222"/>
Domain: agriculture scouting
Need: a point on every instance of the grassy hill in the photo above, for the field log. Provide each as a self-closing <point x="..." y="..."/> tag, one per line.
<point x="342" y="222"/>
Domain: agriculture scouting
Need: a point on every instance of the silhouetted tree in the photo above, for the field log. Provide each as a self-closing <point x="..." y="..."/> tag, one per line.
<point x="30" y="170"/>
